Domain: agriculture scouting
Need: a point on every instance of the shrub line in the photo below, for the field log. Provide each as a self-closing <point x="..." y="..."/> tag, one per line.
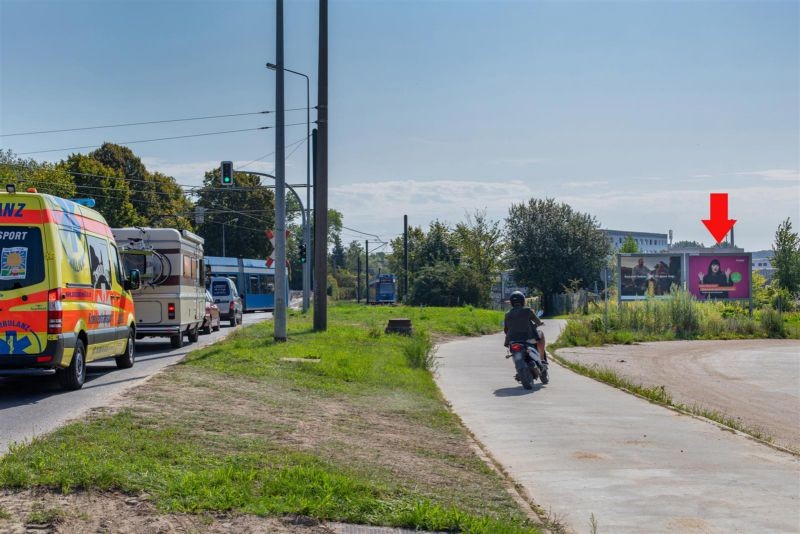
<point x="659" y="395"/>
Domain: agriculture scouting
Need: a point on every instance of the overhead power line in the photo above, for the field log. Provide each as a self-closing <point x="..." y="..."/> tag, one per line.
<point x="125" y="124"/>
<point x="362" y="233"/>
<point x="156" y="139"/>
<point x="272" y="153"/>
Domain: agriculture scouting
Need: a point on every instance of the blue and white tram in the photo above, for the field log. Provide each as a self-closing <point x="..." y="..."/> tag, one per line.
<point x="254" y="280"/>
<point x="382" y="290"/>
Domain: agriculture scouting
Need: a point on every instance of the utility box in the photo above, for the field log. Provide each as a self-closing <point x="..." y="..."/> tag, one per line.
<point x="399" y="326"/>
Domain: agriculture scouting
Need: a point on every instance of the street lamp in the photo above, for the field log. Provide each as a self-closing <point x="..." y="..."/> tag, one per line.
<point x="234" y="220"/>
<point x="307" y="229"/>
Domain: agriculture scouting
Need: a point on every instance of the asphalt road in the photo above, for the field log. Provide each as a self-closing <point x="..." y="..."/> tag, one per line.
<point x="30" y="406"/>
<point x="582" y="448"/>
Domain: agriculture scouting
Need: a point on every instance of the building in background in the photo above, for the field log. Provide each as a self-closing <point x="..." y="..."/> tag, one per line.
<point x="647" y="241"/>
<point x="762" y="262"/>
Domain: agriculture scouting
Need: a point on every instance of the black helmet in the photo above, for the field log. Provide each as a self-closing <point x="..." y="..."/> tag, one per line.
<point x="517" y="298"/>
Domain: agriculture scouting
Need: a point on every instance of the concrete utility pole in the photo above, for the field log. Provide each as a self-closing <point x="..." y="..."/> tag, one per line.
<point x="366" y="270"/>
<point x="405" y="258"/>
<point x="306" y="229"/>
<point x="358" y="280"/>
<point x="280" y="185"/>
<point x="321" y="180"/>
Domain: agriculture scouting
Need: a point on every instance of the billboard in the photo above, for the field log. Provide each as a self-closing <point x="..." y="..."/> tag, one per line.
<point x="648" y="274"/>
<point x="719" y="276"/>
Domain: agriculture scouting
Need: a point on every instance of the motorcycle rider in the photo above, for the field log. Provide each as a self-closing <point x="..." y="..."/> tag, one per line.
<point x="520" y="324"/>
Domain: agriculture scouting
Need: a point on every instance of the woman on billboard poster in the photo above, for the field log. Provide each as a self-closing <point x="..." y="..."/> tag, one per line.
<point x="715" y="276"/>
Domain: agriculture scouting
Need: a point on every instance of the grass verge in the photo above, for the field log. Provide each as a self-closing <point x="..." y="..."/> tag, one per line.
<point x="251" y="426"/>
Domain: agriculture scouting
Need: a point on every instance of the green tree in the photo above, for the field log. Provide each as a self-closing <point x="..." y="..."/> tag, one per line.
<point x="106" y="186"/>
<point x="439" y="245"/>
<point x="245" y="212"/>
<point x="550" y="244"/>
<point x="45" y="177"/>
<point x="158" y="198"/>
<point x="482" y="249"/>
<point x="175" y="209"/>
<point x="629" y="246"/>
<point x="786" y="257"/>
<point x="445" y="284"/>
<point x="337" y="254"/>
<point x="396" y="258"/>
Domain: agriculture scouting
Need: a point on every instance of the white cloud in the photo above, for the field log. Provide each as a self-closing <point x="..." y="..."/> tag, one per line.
<point x="596" y="183"/>
<point x="370" y="205"/>
<point x="521" y="162"/>
<point x="778" y="175"/>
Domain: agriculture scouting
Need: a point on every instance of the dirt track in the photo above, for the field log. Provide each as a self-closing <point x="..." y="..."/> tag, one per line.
<point x="755" y="381"/>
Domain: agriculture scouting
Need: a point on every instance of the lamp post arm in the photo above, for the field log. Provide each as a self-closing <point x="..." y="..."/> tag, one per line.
<point x="299" y="201"/>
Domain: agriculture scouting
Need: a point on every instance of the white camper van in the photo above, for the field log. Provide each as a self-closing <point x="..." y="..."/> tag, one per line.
<point x="171" y="300"/>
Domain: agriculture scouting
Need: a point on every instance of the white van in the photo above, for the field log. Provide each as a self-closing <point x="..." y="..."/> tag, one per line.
<point x="171" y="300"/>
<point x="226" y="297"/>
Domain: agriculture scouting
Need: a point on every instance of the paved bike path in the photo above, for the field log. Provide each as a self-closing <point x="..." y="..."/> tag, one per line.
<point x="580" y="447"/>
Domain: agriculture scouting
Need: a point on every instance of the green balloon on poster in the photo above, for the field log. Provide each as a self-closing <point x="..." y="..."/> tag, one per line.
<point x="736" y="278"/>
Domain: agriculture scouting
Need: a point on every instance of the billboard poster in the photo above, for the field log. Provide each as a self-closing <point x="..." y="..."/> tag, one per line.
<point x="719" y="276"/>
<point x="649" y="274"/>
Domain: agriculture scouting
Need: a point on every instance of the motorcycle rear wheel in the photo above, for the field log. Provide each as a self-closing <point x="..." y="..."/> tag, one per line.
<point x="526" y="378"/>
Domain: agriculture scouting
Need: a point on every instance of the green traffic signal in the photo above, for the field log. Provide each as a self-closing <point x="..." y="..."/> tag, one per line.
<point x="226" y="171"/>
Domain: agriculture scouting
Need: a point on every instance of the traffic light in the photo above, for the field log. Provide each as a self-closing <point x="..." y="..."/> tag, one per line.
<point x="302" y="252"/>
<point x="227" y="173"/>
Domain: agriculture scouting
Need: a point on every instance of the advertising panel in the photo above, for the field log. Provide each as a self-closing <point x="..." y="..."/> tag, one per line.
<point x="649" y="274"/>
<point x="719" y="276"/>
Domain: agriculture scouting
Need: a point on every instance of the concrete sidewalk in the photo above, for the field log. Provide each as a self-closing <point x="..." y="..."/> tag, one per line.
<point x="580" y="447"/>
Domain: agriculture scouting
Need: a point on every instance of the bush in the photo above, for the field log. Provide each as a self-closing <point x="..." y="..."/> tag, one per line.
<point x="782" y="300"/>
<point x="772" y="323"/>
<point x="419" y="351"/>
<point x="684" y="313"/>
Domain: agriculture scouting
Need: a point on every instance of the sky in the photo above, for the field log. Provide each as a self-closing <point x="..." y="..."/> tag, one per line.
<point x="633" y="112"/>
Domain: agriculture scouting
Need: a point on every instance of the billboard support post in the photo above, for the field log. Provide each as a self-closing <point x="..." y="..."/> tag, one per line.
<point x="605" y="287"/>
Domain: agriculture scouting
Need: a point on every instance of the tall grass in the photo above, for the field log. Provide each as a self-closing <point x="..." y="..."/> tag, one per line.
<point x="419" y="352"/>
<point x="680" y="316"/>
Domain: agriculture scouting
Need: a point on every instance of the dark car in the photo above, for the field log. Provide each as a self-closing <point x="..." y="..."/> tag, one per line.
<point x="211" y="321"/>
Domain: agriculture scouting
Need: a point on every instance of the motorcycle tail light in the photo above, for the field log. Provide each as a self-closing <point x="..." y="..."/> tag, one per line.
<point x="517" y="347"/>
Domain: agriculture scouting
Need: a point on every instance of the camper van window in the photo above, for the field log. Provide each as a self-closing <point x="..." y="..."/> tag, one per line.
<point x="21" y="260"/>
<point x="187" y="267"/>
<point x="99" y="263"/>
<point x="115" y="264"/>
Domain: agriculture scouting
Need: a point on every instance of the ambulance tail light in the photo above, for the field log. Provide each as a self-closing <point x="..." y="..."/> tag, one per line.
<point x="55" y="312"/>
<point x="171" y="310"/>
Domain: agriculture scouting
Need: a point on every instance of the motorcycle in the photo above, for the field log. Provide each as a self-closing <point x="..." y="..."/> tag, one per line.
<point x="529" y="365"/>
<point x="528" y="362"/>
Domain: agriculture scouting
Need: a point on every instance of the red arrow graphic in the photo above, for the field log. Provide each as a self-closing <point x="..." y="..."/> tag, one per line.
<point x="719" y="224"/>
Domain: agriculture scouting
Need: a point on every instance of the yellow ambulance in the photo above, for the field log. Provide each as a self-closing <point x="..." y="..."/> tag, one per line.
<point x="64" y="300"/>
